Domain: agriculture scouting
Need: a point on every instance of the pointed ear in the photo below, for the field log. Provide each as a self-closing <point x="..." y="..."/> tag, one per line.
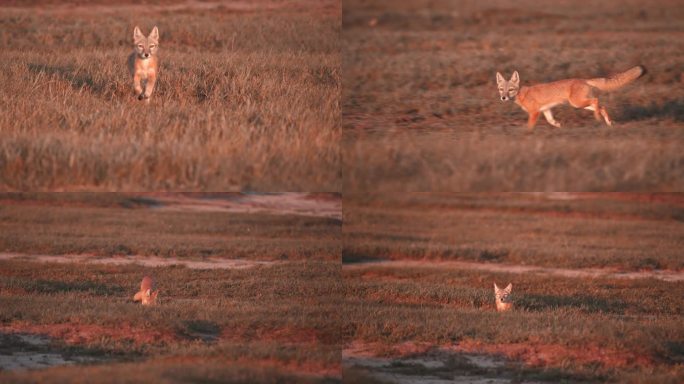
<point x="154" y="35"/>
<point x="508" y="288"/>
<point x="495" y="287"/>
<point x="154" y="295"/>
<point x="515" y="79"/>
<point x="147" y="293"/>
<point x="499" y="78"/>
<point x="137" y="34"/>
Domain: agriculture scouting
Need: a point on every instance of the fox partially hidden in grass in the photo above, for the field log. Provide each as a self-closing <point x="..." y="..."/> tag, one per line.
<point x="579" y="93"/>
<point x="503" y="298"/>
<point x="146" y="295"/>
<point x="143" y="63"/>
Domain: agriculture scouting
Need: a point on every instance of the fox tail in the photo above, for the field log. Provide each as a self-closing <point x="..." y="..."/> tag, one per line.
<point x="619" y="80"/>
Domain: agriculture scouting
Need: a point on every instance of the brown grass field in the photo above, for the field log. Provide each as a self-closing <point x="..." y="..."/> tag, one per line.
<point x="247" y="97"/>
<point x="418" y="272"/>
<point x="271" y="321"/>
<point x="421" y="111"/>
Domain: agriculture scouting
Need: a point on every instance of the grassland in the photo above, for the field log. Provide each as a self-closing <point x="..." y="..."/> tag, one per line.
<point x="269" y="323"/>
<point x="247" y="97"/>
<point x="425" y="321"/>
<point x="421" y="110"/>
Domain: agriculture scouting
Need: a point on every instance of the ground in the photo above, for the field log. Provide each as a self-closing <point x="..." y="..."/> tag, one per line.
<point x="247" y="96"/>
<point x="248" y="289"/>
<point x="421" y="110"/>
<point x="597" y="286"/>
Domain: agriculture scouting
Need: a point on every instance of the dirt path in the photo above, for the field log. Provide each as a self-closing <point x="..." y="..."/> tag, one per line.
<point x="302" y="204"/>
<point x="611" y="273"/>
<point x="146" y="261"/>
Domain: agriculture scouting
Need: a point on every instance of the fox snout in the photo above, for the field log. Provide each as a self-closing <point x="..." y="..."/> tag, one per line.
<point x="504" y="98"/>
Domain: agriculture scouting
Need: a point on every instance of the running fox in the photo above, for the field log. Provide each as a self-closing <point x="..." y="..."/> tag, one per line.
<point x="578" y="92"/>
<point x="146" y="295"/>
<point x="503" y="298"/>
<point x="143" y="63"/>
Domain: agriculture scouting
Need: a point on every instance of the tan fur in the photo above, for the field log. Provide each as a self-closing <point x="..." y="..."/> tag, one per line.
<point x="503" y="298"/>
<point x="147" y="295"/>
<point x="143" y="63"/>
<point x="579" y="93"/>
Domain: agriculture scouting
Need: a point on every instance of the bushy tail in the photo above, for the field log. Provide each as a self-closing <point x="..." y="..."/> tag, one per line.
<point x="619" y="80"/>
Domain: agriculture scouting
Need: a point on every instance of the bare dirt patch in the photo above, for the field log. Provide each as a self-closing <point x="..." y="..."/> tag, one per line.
<point x="24" y="351"/>
<point x="146" y="261"/>
<point x="302" y="204"/>
<point x="611" y="273"/>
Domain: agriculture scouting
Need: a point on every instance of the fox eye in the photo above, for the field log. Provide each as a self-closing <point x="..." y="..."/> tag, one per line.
<point x="140" y="46"/>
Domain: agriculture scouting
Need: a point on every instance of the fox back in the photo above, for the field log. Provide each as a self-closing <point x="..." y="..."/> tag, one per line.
<point x="503" y="298"/>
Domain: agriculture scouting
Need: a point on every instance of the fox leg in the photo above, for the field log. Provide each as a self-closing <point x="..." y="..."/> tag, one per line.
<point x="549" y="117"/>
<point x="604" y="113"/>
<point x="532" y="120"/>
<point x="136" y="84"/>
<point x="149" y="87"/>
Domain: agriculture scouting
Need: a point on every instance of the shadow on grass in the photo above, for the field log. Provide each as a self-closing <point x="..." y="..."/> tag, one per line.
<point x="672" y="109"/>
<point x="586" y="303"/>
<point x="351" y="257"/>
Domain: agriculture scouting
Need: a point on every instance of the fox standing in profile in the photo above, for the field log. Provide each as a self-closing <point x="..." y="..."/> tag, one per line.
<point x="578" y="92"/>
<point x="143" y="63"/>
<point x="146" y="295"/>
<point x="503" y="298"/>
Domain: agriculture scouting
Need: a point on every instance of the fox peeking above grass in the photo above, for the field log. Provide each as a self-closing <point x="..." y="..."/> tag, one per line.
<point x="503" y="298"/>
<point x="577" y="92"/>
<point x="146" y="295"/>
<point x="143" y="63"/>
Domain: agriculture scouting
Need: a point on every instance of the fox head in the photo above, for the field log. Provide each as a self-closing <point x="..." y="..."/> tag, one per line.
<point x="508" y="89"/>
<point x="503" y="297"/>
<point x="149" y="297"/>
<point x="146" y="46"/>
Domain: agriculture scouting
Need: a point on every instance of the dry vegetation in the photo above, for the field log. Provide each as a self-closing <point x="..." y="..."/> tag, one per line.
<point x="428" y="320"/>
<point x="270" y="323"/>
<point x="421" y="110"/>
<point x="247" y="98"/>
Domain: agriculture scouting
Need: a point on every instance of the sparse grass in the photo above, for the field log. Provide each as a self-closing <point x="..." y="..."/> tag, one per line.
<point x="107" y="224"/>
<point x="268" y="323"/>
<point x="608" y="230"/>
<point x="247" y="98"/>
<point x="421" y="111"/>
<point x="562" y="329"/>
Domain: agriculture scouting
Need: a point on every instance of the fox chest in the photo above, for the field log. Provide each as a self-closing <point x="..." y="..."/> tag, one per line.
<point x="146" y="68"/>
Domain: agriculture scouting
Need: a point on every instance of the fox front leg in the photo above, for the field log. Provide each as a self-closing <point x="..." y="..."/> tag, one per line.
<point x="532" y="121"/>
<point x="149" y="87"/>
<point x="137" y="86"/>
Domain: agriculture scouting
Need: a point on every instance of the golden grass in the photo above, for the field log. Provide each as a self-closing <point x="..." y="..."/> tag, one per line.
<point x="246" y="99"/>
<point x="421" y="111"/>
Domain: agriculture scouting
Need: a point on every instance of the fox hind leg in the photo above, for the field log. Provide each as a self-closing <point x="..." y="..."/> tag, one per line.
<point x="549" y="117"/>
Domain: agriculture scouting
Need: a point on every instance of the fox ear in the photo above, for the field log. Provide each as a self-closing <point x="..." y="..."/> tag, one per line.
<point x="147" y="293"/>
<point x="154" y="35"/>
<point x="509" y="287"/>
<point x="495" y="287"/>
<point x="137" y="34"/>
<point x="499" y="78"/>
<point x="515" y="78"/>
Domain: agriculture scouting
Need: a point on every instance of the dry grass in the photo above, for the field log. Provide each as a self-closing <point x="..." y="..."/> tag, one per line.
<point x="421" y="111"/>
<point x="269" y="323"/>
<point x="248" y="98"/>
<point x="562" y="328"/>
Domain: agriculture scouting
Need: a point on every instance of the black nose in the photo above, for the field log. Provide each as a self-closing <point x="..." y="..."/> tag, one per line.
<point x="504" y="98"/>
<point x="147" y="55"/>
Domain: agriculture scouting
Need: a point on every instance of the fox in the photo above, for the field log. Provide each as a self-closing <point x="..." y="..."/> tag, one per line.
<point x="143" y="63"/>
<point x="580" y="93"/>
<point x="503" y="298"/>
<point x="146" y="295"/>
